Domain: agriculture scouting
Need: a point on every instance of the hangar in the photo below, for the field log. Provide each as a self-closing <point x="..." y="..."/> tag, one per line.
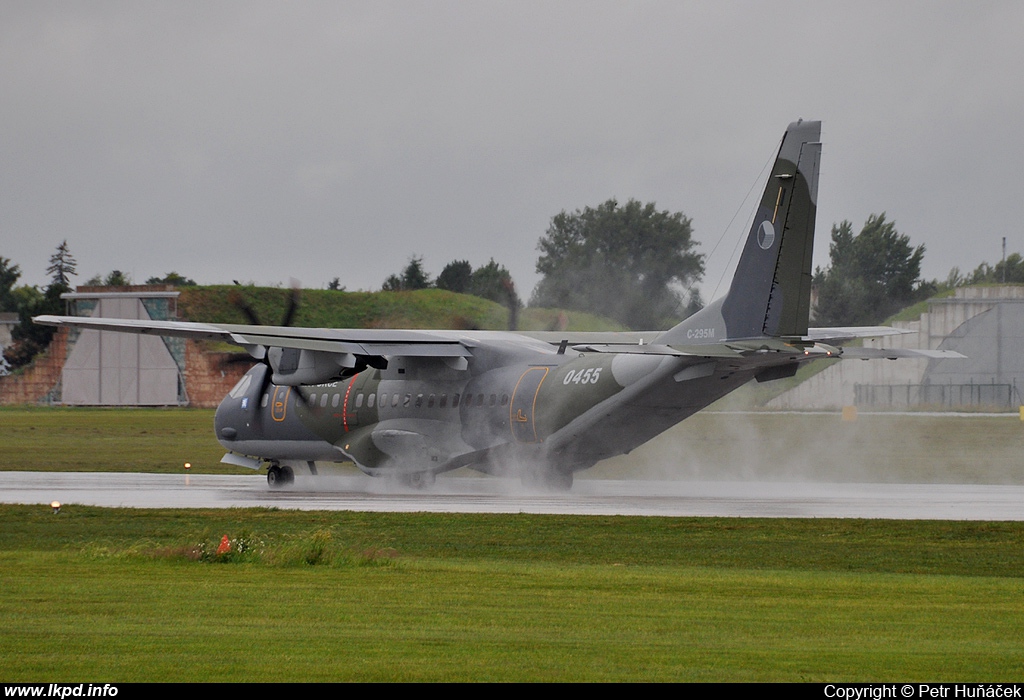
<point x="89" y="368"/>
<point x="115" y="369"/>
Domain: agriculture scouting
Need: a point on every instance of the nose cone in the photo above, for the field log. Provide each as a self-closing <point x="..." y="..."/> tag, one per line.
<point x="225" y="421"/>
<point x="236" y="412"/>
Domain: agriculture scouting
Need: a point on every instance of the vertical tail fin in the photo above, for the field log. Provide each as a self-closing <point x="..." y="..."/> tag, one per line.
<point x="770" y="294"/>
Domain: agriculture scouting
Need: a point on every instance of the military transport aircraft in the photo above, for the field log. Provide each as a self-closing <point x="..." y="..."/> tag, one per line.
<point x="415" y="403"/>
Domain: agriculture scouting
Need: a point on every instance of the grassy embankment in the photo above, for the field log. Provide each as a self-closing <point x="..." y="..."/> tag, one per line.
<point x="426" y="308"/>
<point x="120" y="595"/>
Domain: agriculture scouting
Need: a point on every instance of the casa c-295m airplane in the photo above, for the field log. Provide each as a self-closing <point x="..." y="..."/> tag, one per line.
<point x="413" y="403"/>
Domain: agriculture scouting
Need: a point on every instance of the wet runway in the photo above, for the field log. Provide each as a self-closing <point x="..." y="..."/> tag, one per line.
<point x="488" y="495"/>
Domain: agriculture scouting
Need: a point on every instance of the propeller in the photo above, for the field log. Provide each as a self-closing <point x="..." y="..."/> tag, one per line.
<point x="242" y="304"/>
<point x="512" y="302"/>
<point x="285" y="360"/>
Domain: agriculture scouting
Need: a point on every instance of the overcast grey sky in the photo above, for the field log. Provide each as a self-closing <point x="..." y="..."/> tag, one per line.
<point x="263" y="141"/>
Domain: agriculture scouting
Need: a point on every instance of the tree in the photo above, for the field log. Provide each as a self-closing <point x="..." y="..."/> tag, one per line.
<point x="62" y="265"/>
<point x="871" y="275"/>
<point x="626" y="262"/>
<point x="9" y="275"/>
<point x="492" y="281"/>
<point x="116" y="278"/>
<point x="455" y="276"/>
<point x="413" y="277"/>
<point x="31" y="339"/>
<point x="172" y="278"/>
<point x="1010" y="271"/>
<point x="28" y="301"/>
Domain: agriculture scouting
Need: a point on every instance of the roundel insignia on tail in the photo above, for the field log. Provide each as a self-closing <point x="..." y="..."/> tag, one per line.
<point x="766" y="235"/>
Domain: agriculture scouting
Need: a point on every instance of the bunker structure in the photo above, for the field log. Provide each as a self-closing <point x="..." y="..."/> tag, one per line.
<point x="101" y="368"/>
<point x="119" y="369"/>
<point x="984" y="323"/>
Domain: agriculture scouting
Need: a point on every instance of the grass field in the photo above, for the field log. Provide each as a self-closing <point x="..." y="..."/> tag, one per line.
<point x="120" y="595"/>
<point x="926" y="448"/>
<point x="104" y="439"/>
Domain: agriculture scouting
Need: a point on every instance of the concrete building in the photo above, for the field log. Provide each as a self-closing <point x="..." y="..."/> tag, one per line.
<point x="984" y="323"/>
<point x="115" y="369"/>
<point x="118" y="369"/>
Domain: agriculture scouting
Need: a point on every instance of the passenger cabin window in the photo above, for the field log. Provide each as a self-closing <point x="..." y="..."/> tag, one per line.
<point x="369" y="400"/>
<point x="335" y="400"/>
<point x="359" y="400"/>
<point x="323" y="401"/>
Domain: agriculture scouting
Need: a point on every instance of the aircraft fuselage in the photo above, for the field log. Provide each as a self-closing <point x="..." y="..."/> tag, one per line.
<point x="560" y="412"/>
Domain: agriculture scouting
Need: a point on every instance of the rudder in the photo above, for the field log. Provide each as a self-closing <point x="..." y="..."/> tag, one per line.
<point x="770" y="294"/>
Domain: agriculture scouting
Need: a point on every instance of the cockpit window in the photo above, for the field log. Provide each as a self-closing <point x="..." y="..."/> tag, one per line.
<point x="241" y="387"/>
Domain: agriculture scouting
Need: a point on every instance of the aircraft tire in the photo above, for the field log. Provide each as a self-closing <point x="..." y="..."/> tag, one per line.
<point x="557" y="480"/>
<point x="287" y="475"/>
<point x="419" y="480"/>
<point x="548" y="480"/>
<point x="275" y="477"/>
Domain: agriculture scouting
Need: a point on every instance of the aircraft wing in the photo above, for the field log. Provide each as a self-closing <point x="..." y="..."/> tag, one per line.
<point x="377" y="342"/>
<point x="626" y="341"/>
<point x="369" y="341"/>
<point x="717" y="350"/>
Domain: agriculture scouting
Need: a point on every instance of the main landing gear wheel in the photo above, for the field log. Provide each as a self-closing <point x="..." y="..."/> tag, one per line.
<point x="557" y="480"/>
<point x="280" y="476"/>
<point x="274" y="477"/>
<point x="547" y="480"/>
<point x="418" y="480"/>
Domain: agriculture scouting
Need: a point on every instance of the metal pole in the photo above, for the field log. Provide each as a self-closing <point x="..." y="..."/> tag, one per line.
<point x="1004" y="259"/>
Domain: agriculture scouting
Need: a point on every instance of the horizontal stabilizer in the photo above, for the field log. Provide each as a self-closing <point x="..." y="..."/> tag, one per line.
<point x="896" y="353"/>
<point x="834" y="336"/>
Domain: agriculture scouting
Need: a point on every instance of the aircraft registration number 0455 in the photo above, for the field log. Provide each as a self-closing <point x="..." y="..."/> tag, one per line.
<point x="583" y="376"/>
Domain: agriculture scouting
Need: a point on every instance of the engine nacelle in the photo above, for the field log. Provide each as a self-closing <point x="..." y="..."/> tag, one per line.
<point x="295" y="367"/>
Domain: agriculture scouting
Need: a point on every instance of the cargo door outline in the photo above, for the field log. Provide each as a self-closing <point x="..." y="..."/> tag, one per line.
<point x="523" y="404"/>
<point x="279" y="403"/>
